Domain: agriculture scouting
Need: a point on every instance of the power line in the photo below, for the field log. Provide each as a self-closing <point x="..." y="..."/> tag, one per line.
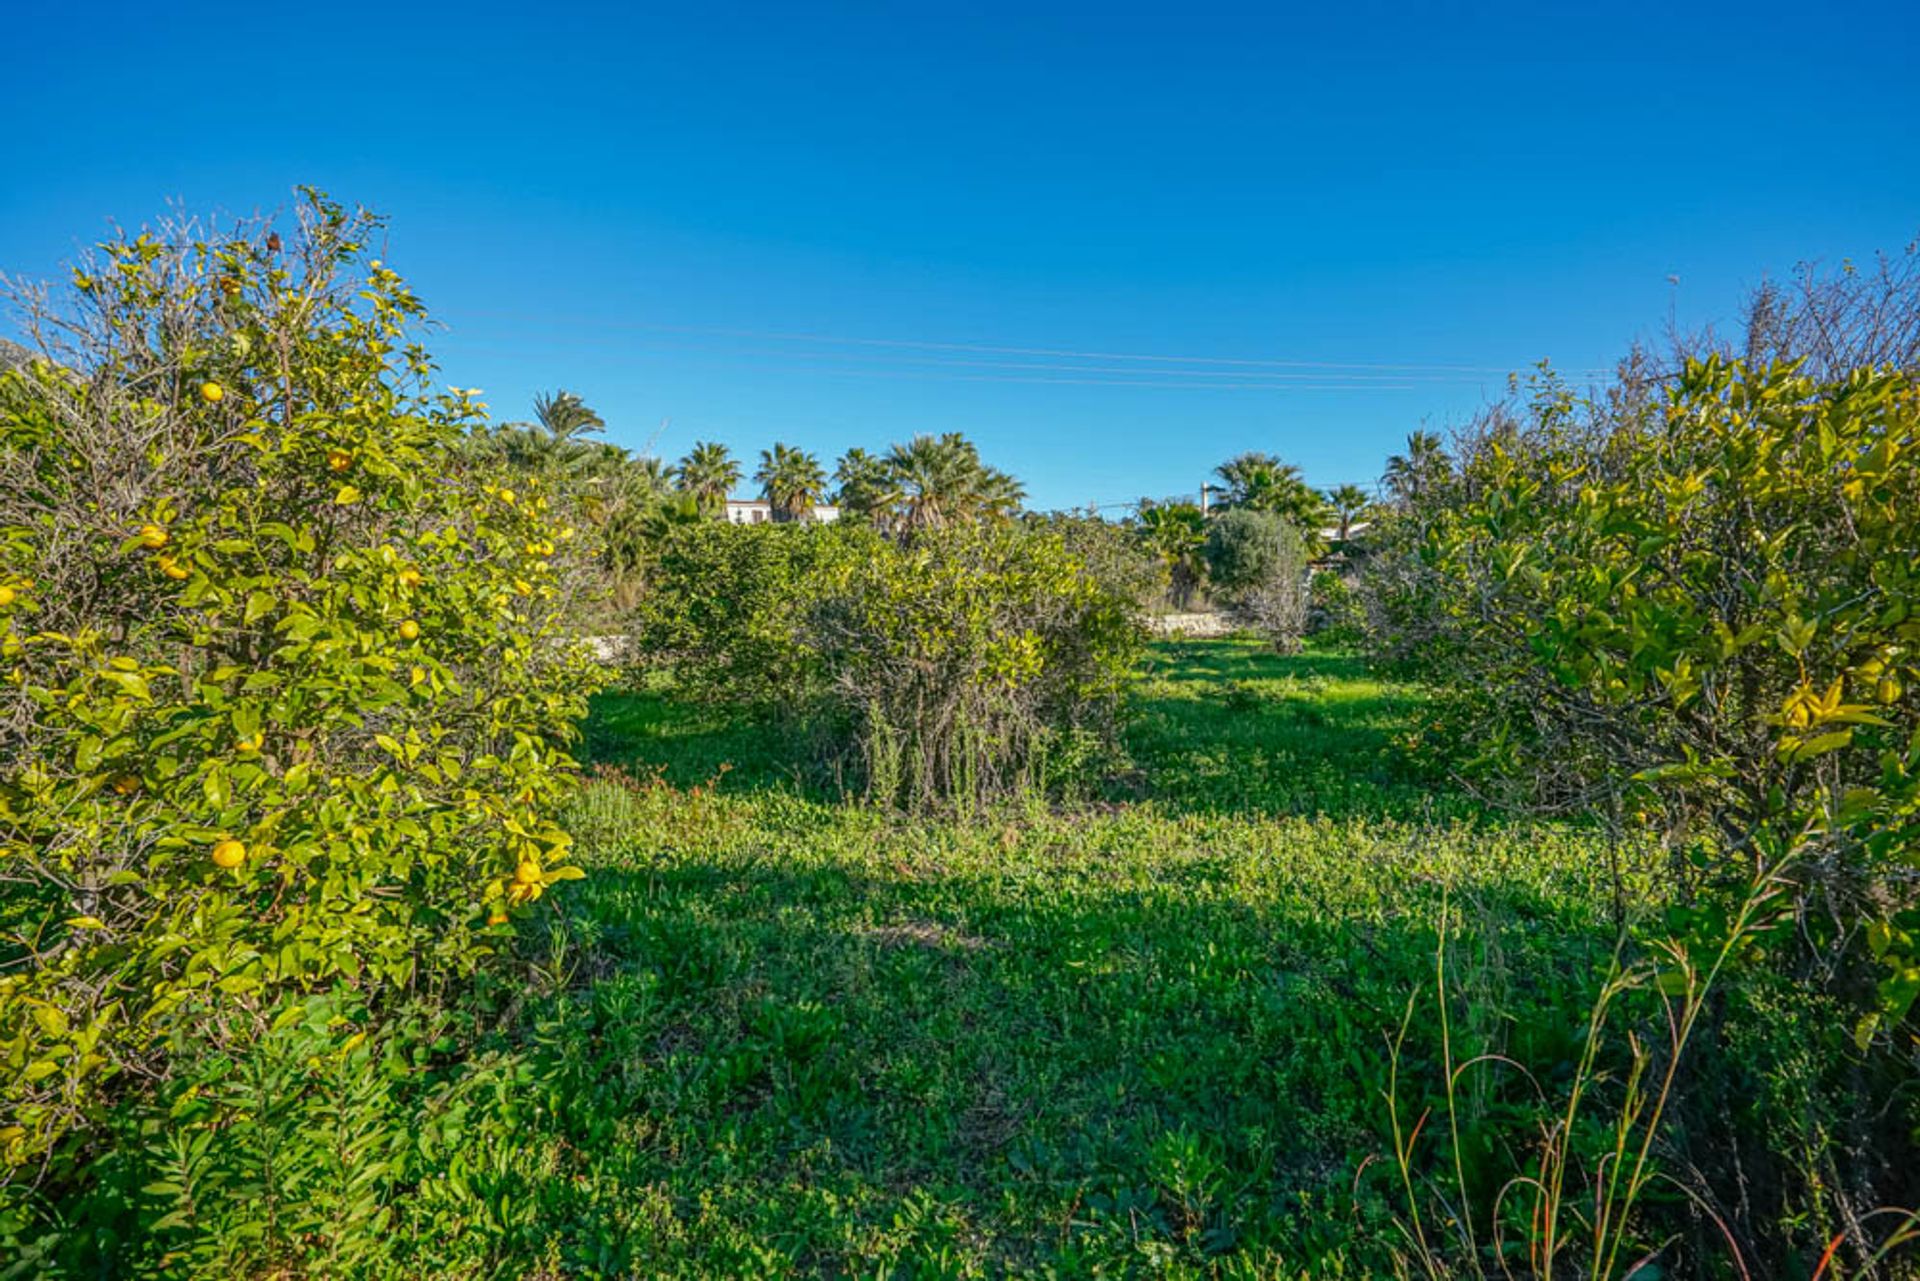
<point x="1013" y="350"/>
<point x="1345" y="380"/>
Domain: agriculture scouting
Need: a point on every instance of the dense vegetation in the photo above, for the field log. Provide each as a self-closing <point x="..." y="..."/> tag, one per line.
<point x="924" y="919"/>
<point x="286" y="687"/>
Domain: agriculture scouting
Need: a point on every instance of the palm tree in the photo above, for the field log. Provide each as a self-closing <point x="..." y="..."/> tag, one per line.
<point x="865" y="487"/>
<point x="791" y="480"/>
<point x="566" y="417"/>
<point x="1176" y="533"/>
<point x="708" y="472"/>
<point x="1262" y="483"/>
<point x="554" y="442"/>
<point x="941" y="479"/>
<point x="1349" y="503"/>
<point x="1413" y="473"/>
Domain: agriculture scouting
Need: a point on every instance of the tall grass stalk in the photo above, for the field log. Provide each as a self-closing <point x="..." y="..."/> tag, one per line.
<point x="1620" y="1177"/>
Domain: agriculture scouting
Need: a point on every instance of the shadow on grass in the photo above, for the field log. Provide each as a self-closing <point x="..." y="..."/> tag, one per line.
<point x="1214" y="726"/>
<point x="840" y="1059"/>
<point x="644" y="730"/>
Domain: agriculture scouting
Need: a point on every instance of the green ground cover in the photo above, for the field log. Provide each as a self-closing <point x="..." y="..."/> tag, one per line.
<point x="1145" y="1033"/>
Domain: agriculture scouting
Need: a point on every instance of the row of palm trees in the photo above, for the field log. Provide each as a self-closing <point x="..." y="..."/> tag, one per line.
<point x="927" y="482"/>
<point x="924" y="483"/>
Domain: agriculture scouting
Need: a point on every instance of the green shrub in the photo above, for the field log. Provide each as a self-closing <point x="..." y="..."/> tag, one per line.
<point x="725" y="609"/>
<point x="972" y="663"/>
<point x="1704" y="611"/>
<point x="1334" y="613"/>
<point x="285" y="689"/>
<point x="1257" y="566"/>
<point x="957" y="665"/>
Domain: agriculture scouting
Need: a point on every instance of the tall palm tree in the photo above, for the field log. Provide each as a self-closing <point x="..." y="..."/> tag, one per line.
<point x="554" y="443"/>
<point x="941" y="479"/>
<point x="1349" y="503"/>
<point x="865" y="487"/>
<point x="708" y="472"/>
<point x="1263" y="483"/>
<point x="1412" y="474"/>
<point x="792" y="481"/>
<point x="566" y="417"/>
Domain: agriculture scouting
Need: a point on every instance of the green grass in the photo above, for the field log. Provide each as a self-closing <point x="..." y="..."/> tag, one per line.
<point x="792" y="1035"/>
<point x="775" y="1033"/>
<point x="1229" y="727"/>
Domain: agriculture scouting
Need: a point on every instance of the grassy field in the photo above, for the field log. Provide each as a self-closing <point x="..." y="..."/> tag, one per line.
<point x="1147" y="1034"/>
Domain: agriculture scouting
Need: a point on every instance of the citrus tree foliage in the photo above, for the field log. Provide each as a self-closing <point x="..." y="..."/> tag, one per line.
<point x="961" y="664"/>
<point x="283" y="701"/>
<point x="1706" y="609"/>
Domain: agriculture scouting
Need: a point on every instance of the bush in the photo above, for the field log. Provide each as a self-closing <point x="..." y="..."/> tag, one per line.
<point x="286" y="694"/>
<point x="1705" y="611"/>
<point x="724" y="610"/>
<point x="1334" y="613"/>
<point x="1112" y="555"/>
<point x="952" y="667"/>
<point x="1258" y="568"/>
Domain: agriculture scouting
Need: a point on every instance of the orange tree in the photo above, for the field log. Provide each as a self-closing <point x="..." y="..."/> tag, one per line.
<point x="1705" y="611"/>
<point x="284" y="691"/>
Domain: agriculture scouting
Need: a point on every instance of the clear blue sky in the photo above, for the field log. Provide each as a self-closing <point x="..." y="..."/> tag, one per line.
<point x="643" y="203"/>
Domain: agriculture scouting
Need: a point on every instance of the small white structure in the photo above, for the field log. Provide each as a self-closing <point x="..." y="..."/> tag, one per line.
<point x="758" y="511"/>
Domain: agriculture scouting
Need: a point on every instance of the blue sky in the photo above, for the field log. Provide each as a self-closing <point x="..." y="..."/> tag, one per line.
<point x="1304" y="230"/>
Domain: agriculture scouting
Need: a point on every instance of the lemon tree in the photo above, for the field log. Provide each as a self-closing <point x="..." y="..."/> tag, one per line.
<point x="285" y="687"/>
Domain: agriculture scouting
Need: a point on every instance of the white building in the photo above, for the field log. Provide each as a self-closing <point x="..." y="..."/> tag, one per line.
<point x="758" y="511"/>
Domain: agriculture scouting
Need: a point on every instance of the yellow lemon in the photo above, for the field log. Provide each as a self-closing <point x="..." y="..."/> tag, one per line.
<point x="152" y="536"/>
<point x="6" y="597"/>
<point x="229" y="854"/>
<point x="171" y="567"/>
<point x="527" y="873"/>
<point x="211" y="392"/>
<point x="409" y="630"/>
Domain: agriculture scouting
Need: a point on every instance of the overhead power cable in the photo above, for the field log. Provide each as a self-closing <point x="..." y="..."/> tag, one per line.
<point x="1008" y="349"/>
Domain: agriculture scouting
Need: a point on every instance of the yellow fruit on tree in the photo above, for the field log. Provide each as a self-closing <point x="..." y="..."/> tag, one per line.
<point x="211" y="392"/>
<point x="152" y="536"/>
<point x="409" y="630"/>
<point x="527" y="873"/>
<point x="338" y="460"/>
<point x="229" y="853"/>
<point x="171" y="567"/>
<point x="6" y="597"/>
